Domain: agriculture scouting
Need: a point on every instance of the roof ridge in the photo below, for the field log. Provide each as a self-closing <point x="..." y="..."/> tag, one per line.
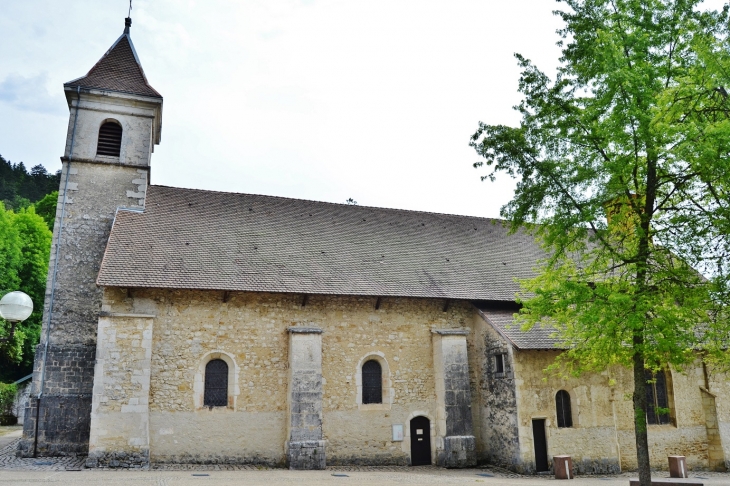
<point x="412" y="211"/>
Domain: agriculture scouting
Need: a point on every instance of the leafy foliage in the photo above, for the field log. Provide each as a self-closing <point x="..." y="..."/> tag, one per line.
<point x="623" y="160"/>
<point x="25" y="245"/>
<point x="7" y="397"/>
<point x="25" y="242"/>
<point x="46" y="208"/>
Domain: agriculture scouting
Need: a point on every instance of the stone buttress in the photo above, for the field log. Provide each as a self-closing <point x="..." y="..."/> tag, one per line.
<point x="456" y="444"/>
<point x="305" y="448"/>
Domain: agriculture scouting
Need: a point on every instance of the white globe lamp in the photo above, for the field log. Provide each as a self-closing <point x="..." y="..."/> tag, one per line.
<point x="15" y="307"/>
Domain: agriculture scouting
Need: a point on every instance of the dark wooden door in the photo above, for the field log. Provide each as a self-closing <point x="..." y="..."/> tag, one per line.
<point x="538" y="434"/>
<point x="420" y="441"/>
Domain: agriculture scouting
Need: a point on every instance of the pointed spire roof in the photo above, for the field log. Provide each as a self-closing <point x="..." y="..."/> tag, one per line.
<point x="118" y="70"/>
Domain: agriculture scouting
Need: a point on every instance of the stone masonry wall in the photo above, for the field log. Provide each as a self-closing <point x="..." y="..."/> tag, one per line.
<point x="252" y="329"/>
<point x="95" y="189"/>
<point x="120" y="405"/>
<point x="718" y="384"/>
<point x="497" y="424"/>
<point x="134" y="115"/>
<point x="453" y="399"/>
<point x="305" y="447"/>
<point x="602" y="437"/>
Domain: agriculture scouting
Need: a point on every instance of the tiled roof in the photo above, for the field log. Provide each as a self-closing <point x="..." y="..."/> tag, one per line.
<point x="536" y="338"/>
<point x="118" y="70"/>
<point x="197" y="239"/>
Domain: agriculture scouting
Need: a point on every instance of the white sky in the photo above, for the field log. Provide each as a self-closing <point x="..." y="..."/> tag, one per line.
<point x="317" y="99"/>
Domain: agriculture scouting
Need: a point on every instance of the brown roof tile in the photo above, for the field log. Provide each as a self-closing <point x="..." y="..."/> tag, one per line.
<point x="198" y="239"/>
<point x="118" y="70"/>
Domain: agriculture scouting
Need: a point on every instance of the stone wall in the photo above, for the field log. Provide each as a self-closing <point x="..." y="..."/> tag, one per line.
<point x="305" y="448"/>
<point x="602" y="437"/>
<point x="136" y="116"/>
<point x="96" y="188"/>
<point x="456" y="446"/>
<point x="21" y="401"/>
<point x="718" y="384"/>
<point x="497" y="423"/>
<point x="64" y="408"/>
<point x="252" y="329"/>
<point x="120" y="405"/>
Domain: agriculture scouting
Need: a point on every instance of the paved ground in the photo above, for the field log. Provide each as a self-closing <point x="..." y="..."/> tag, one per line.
<point x="300" y="478"/>
<point x="70" y="472"/>
<point x="9" y="434"/>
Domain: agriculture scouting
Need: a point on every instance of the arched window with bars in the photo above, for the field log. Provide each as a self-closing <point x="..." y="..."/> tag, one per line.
<point x="562" y="405"/>
<point x="110" y="139"/>
<point x="372" y="382"/>
<point x="216" y="384"/>
<point x="657" y="397"/>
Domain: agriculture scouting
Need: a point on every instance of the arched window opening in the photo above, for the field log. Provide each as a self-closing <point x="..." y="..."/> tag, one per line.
<point x="657" y="398"/>
<point x="372" y="382"/>
<point x="110" y="139"/>
<point x="216" y="384"/>
<point x="562" y="405"/>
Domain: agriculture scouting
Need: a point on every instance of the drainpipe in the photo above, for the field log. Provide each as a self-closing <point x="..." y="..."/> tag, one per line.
<point x="55" y="273"/>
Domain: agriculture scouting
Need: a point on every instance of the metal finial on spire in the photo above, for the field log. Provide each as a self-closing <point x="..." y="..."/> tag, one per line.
<point x="128" y="20"/>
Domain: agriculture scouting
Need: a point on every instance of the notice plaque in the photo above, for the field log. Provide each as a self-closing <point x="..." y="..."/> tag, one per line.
<point x="397" y="432"/>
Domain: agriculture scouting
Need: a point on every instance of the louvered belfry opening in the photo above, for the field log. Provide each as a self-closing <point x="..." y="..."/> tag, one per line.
<point x="372" y="382"/>
<point x="216" y="384"/>
<point x="110" y="139"/>
<point x="562" y="404"/>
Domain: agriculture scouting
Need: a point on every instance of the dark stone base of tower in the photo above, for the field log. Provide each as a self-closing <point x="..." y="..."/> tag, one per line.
<point x="63" y="412"/>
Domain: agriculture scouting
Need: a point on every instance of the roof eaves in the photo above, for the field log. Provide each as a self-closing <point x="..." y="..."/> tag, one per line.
<point x="108" y="90"/>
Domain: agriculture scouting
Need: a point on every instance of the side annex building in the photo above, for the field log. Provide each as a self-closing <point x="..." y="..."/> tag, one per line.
<point x="183" y="325"/>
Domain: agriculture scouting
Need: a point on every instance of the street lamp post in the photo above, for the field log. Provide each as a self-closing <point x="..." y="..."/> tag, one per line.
<point x="15" y="307"/>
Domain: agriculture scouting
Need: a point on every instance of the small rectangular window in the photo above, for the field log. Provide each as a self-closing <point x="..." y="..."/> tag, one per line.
<point x="499" y="363"/>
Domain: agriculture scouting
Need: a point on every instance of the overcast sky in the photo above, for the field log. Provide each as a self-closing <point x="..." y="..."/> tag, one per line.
<point x="316" y="99"/>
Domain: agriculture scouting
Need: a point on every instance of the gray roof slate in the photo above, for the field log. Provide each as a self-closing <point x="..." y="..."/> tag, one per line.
<point x="195" y="239"/>
<point x="536" y="338"/>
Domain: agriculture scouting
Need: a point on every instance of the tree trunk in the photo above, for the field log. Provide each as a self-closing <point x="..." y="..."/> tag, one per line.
<point x="640" y="404"/>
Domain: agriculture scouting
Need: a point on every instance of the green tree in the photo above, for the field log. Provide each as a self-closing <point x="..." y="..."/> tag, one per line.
<point x="25" y="244"/>
<point x="7" y="398"/>
<point x="35" y="251"/>
<point x="623" y="160"/>
<point x="46" y="208"/>
<point x="10" y="262"/>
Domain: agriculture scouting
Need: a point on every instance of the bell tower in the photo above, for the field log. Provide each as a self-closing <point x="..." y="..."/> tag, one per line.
<point x="115" y="120"/>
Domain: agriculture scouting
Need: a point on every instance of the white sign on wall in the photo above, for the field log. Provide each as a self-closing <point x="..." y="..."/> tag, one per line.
<point x="397" y="432"/>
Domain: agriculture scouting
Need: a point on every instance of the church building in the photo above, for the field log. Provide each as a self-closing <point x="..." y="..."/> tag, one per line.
<point x="193" y="326"/>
